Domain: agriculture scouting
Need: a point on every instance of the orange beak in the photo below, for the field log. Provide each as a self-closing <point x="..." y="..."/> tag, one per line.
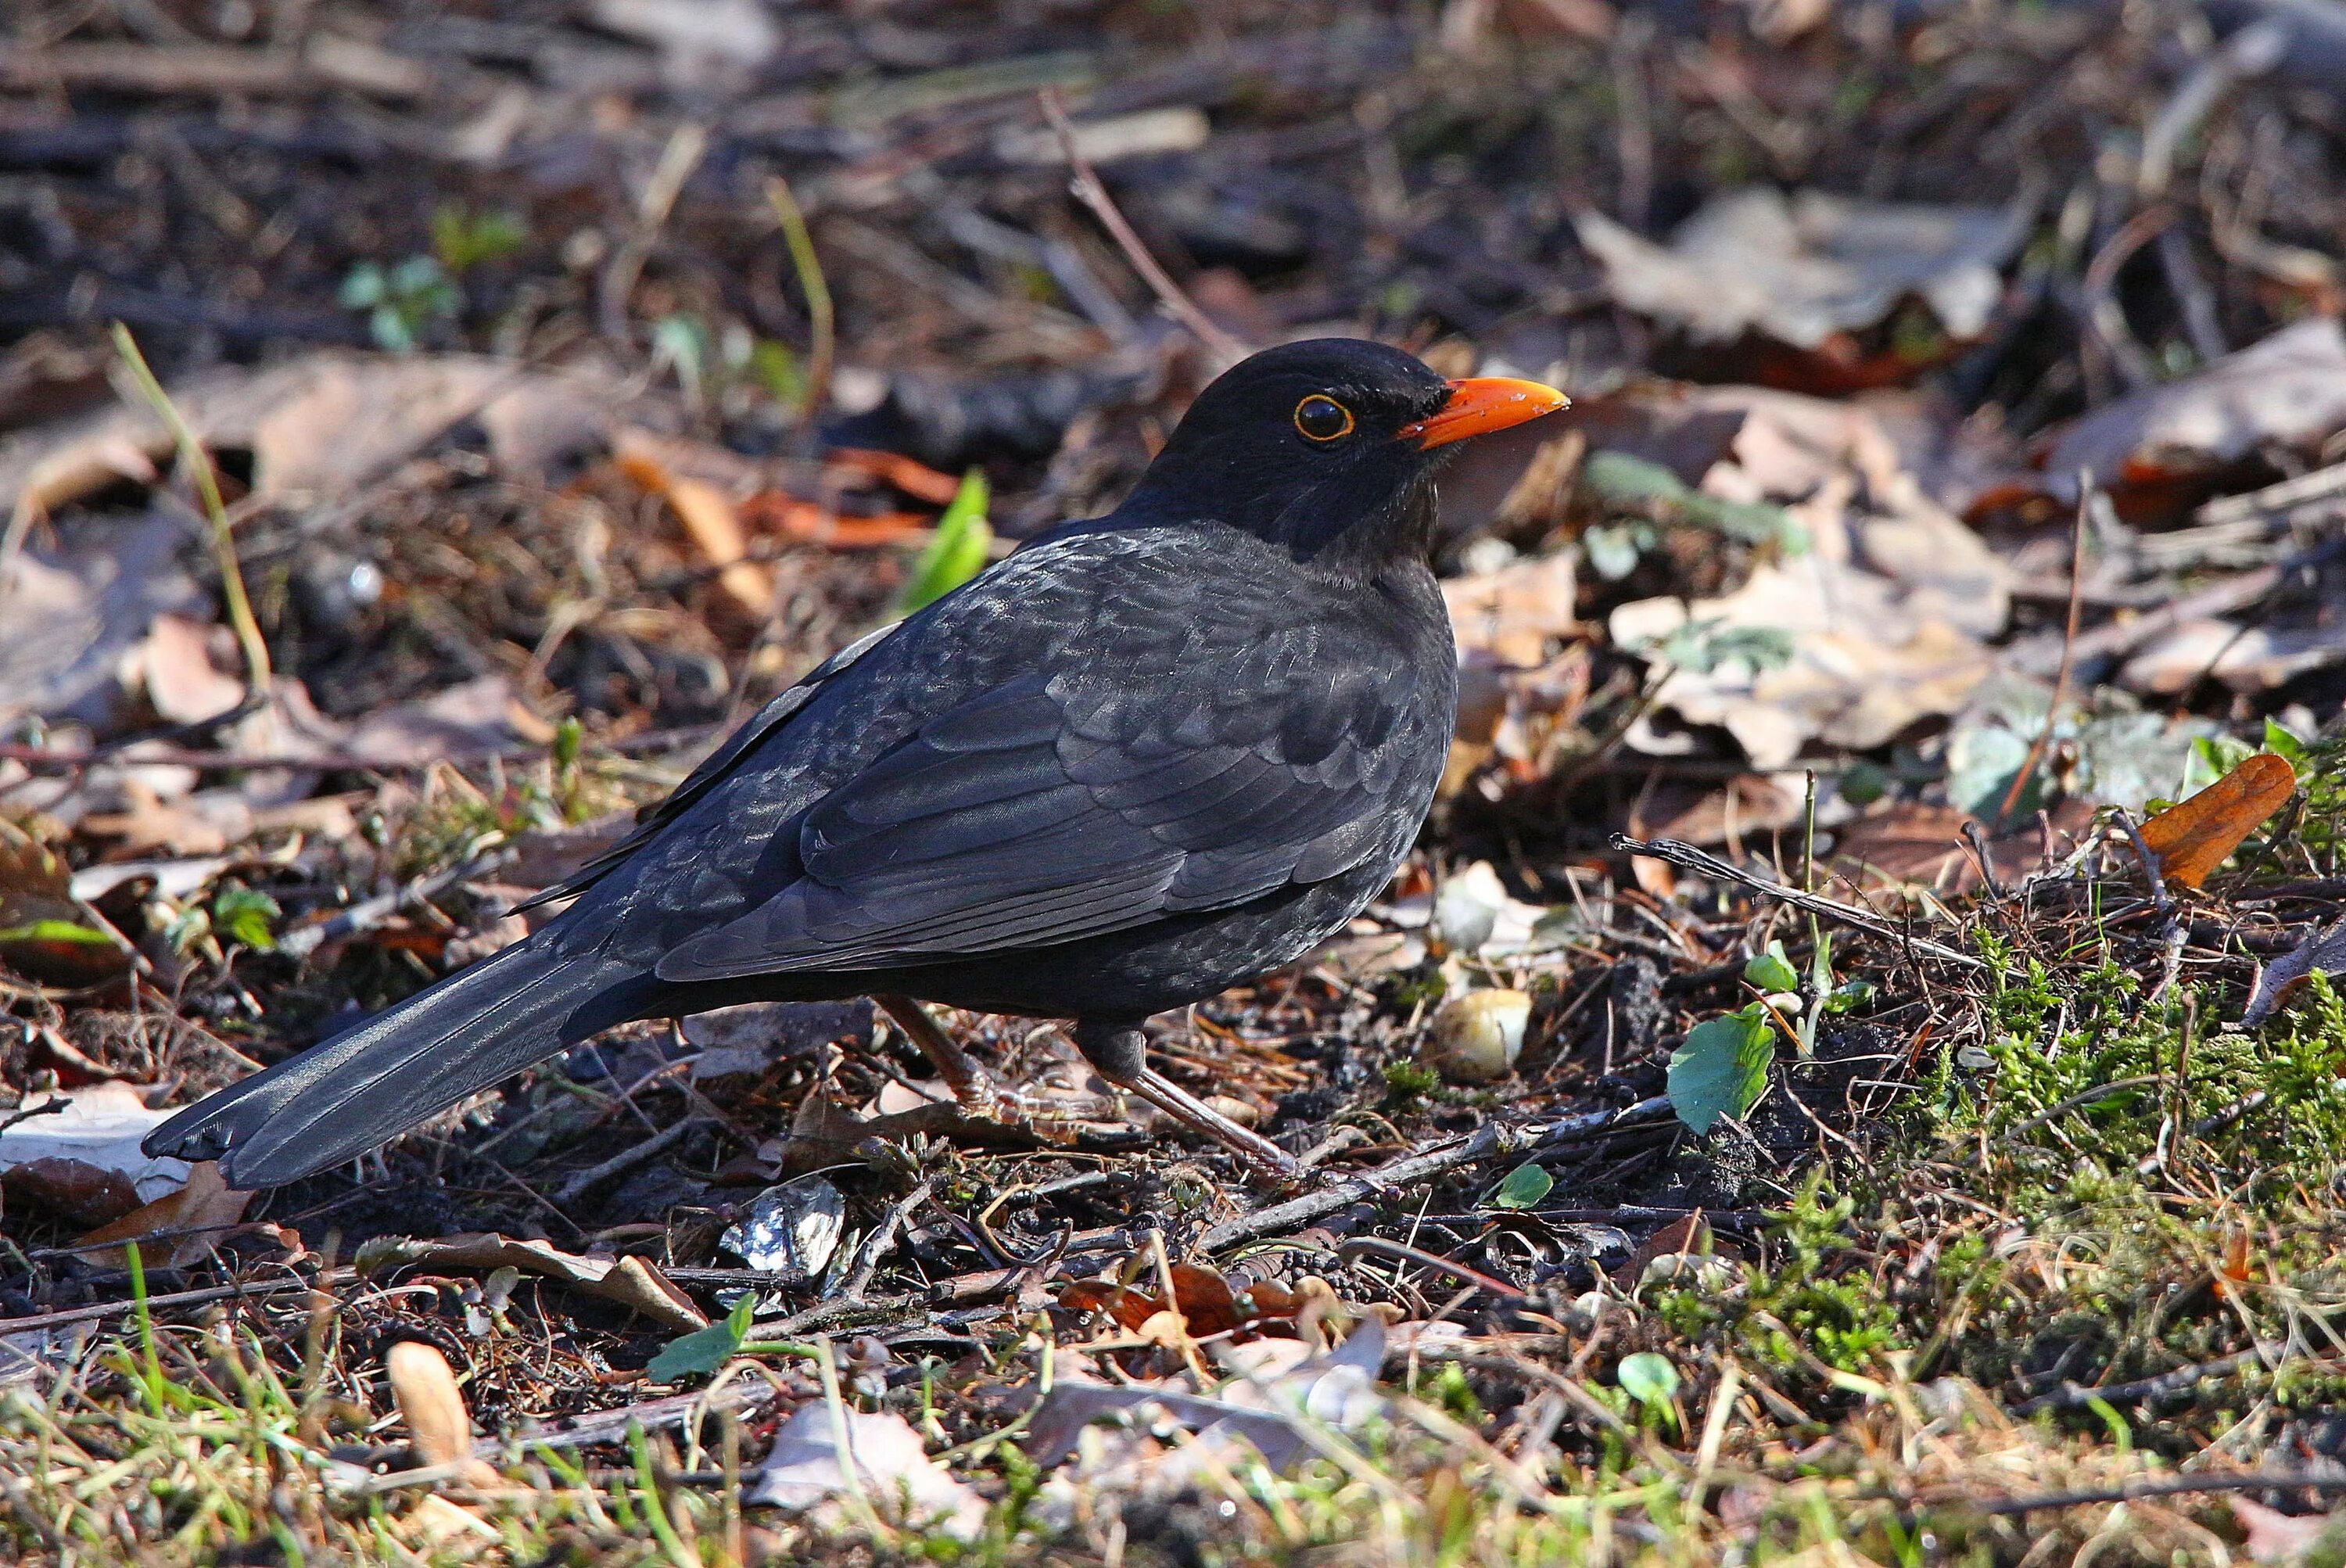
<point x="1482" y="404"/>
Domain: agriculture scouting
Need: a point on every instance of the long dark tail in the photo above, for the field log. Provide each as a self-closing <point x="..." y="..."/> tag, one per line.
<point x="340" y="1099"/>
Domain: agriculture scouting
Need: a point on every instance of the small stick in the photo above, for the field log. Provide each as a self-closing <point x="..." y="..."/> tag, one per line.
<point x="876" y="1247"/>
<point x="1088" y="189"/>
<point x="626" y="1160"/>
<point x="2068" y="656"/>
<point x="1687" y="857"/>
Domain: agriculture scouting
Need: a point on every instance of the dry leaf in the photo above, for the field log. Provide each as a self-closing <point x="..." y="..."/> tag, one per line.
<point x="2244" y="658"/>
<point x="2277" y="982"/>
<point x="76" y="618"/>
<point x="478" y="716"/>
<point x="2193" y="837"/>
<point x="44" y="934"/>
<point x="1513" y="614"/>
<point x="708" y="515"/>
<point x="805" y="1472"/>
<point x="1913" y="845"/>
<point x="185" y="683"/>
<point x="2277" y="1537"/>
<point x="85" y="1158"/>
<point x="1801" y="268"/>
<point x="439" y="1428"/>
<point x="2160" y="450"/>
<point x="205" y="1205"/>
<point x="629" y="1281"/>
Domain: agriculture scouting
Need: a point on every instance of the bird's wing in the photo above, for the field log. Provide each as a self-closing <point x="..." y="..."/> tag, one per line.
<point x="714" y="767"/>
<point x="1165" y="776"/>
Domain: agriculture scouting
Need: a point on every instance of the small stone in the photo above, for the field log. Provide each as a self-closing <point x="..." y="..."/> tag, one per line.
<point x="1476" y="1037"/>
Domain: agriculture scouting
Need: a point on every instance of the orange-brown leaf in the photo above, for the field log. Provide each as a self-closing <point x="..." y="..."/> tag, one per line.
<point x="2194" y="837"/>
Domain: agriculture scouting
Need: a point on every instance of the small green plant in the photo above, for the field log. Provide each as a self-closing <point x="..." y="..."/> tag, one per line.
<point x="1407" y="1082"/>
<point x="1524" y="1187"/>
<point x="463" y="240"/>
<point x="956" y="553"/>
<point x="1652" y="1381"/>
<point x="1722" y="1067"/>
<point x="403" y="301"/>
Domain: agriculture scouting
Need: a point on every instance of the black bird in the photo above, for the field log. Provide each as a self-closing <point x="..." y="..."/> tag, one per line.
<point x="1146" y="757"/>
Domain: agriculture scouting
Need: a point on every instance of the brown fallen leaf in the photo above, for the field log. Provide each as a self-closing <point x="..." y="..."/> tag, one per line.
<point x="204" y="1206"/>
<point x="439" y="1428"/>
<point x="2161" y="451"/>
<point x="629" y="1281"/>
<point x="2193" y="837"/>
<point x="914" y="478"/>
<point x="1208" y="1304"/>
<point x="1515" y="613"/>
<point x="2277" y="1537"/>
<point x="2279" y="980"/>
<point x="708" y="516"/>
<point x="45" y="935"/>
<point x="813" y="525"/>
<point x="84" y="1159"/>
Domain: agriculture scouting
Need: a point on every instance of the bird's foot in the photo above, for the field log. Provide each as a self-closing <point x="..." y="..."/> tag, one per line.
<point x="1262" y="1157"/>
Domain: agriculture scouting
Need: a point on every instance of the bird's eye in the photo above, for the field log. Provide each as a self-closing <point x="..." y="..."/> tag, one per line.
<point x="1322" y="419"/>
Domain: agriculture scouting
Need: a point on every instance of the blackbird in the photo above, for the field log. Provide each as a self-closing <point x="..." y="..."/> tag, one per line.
<point x="1147" y="757"/>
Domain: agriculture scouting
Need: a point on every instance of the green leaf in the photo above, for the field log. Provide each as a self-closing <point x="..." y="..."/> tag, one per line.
<point x="63" y="931"/>
<point x="1648" y="1378"/>
<point x="2285" y="746"/>
<point x="1721" y="1067"/>
<point x="364" y="287"/>
<point x="1771" y="971"/>
<point x="704" y="1350"/>
<point x="1525" y="1186"/>
<point x="958" y="552"/>
<point x="1613" y="550"/>
<point x="243" y="915"/>
<point x="1849" y="993"/>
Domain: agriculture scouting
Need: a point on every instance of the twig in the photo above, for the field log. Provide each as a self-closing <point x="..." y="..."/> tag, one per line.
<point x="876" y="1245"/>
<point x="99" y="1310"/>
<point x="1088" y="189"/>
<point x="41" y="758"/>
<point x="2180" y="1486"/>
<point x="368" y="913"/>
<point x="2104" y="317"/>
<point x="682" y="154"/>
<point x="2070" y="1397"/>
<point x="1687" y="857"/>
<point x="1434" y="1260"/>
<point x="2083" y="1097"/>
<point x="1491" y="1142"/>
<point x="626" y="1160"/>
<point x="823" y="324"/>
<point x="199" y="464"/>
<point x="2068" y="658"/>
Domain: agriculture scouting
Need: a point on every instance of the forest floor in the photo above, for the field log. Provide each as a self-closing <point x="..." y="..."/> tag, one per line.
<point x="1812" y="1095"/>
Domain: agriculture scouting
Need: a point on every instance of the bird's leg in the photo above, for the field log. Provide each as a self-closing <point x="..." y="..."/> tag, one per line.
<point x="1120" y="1052"/>
<point x="975" y="1091"/>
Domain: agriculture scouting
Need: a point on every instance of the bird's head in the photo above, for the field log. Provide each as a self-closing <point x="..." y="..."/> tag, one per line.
<point x="1327" y="446"/>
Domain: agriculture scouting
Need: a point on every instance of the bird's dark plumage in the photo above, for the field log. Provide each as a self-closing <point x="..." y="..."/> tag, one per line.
<point x="1146" y="757"/>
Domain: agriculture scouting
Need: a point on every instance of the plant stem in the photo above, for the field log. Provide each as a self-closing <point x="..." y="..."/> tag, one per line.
<point x="199" y="463"/>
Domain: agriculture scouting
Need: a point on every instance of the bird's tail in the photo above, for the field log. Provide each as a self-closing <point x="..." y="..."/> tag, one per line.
<point x="338" y="1099"/>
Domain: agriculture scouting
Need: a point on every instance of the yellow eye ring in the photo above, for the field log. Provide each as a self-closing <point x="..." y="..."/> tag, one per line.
<point x="1320" y="418"/>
